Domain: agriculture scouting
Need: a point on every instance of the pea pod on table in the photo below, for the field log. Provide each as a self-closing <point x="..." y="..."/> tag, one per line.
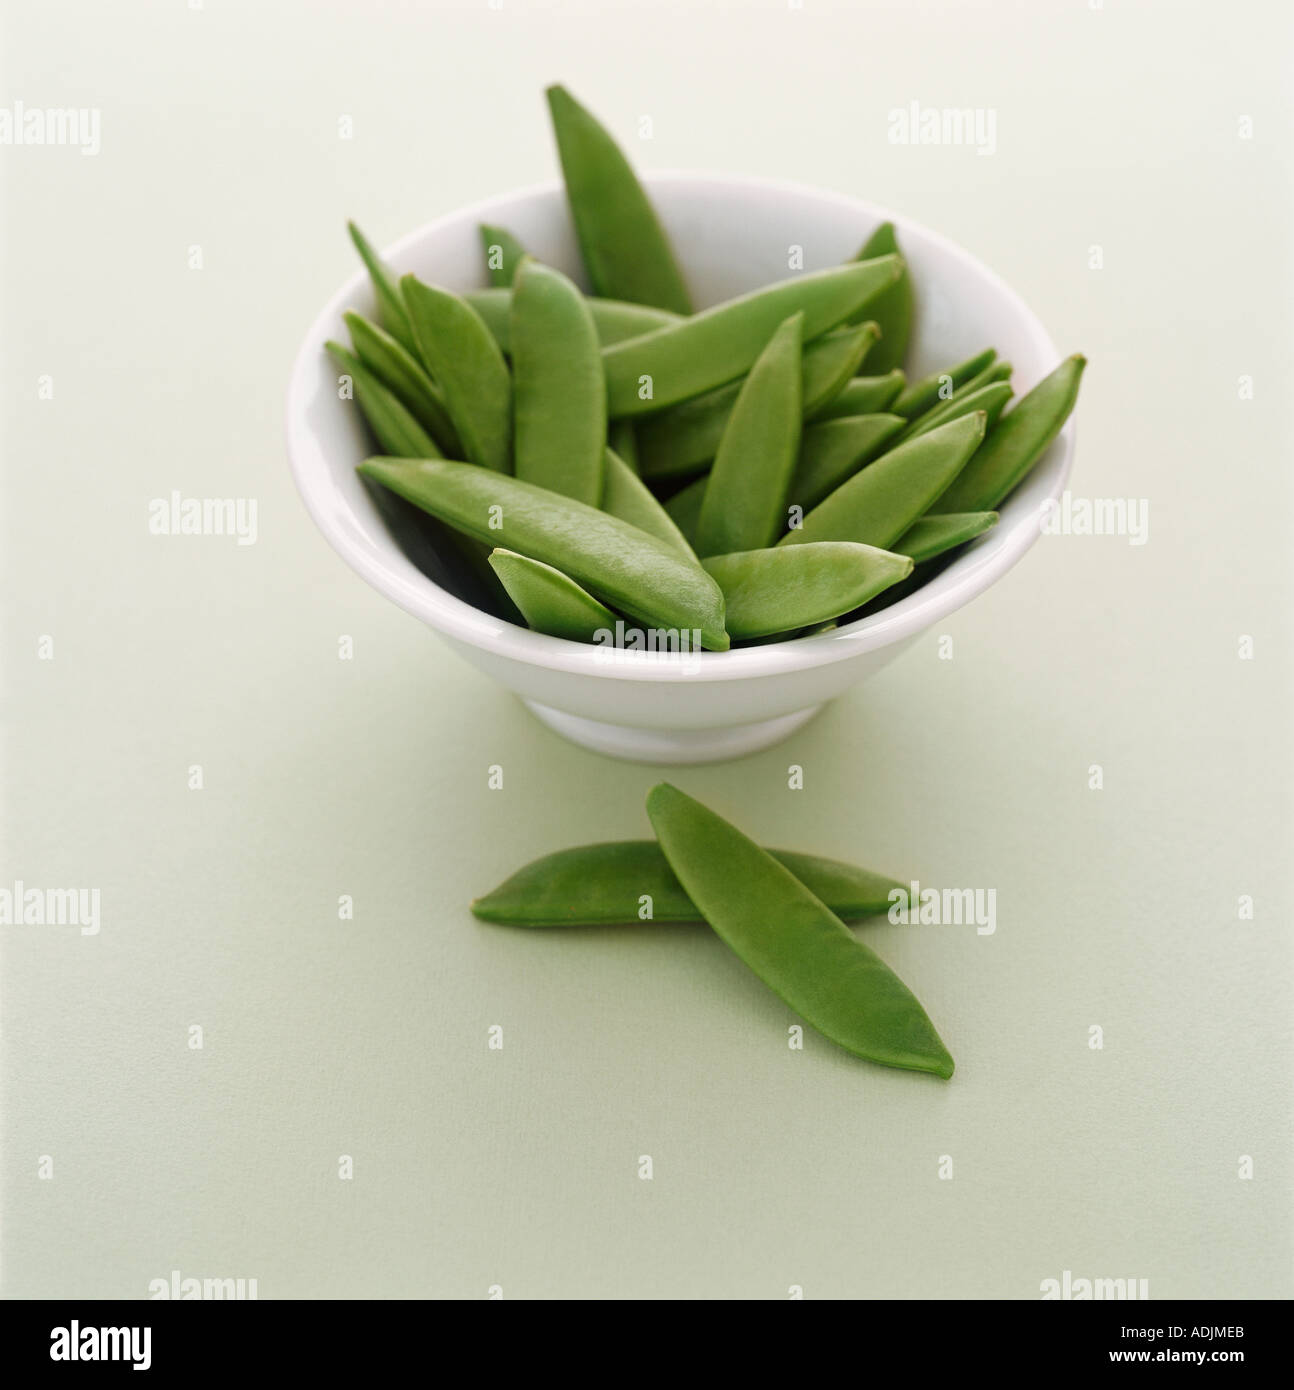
<point x="616" y="883"/>
<point x="619" y="564"/>
<point x="1018" y="442"/>
<point x="792" y="940"/>
<point x="879" y="503"/>
<point x="744" y="501"/>
<point x="465" y="361"/>
<point x="625" y="249"/>
<point x="720" y="344"/>
<point x="558" y="390"/>
<point x="791" y="587"/>
<point x="677" y="441"/>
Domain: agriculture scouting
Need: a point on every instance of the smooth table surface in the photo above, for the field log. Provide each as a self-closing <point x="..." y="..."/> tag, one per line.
<point x="971" y="764"/>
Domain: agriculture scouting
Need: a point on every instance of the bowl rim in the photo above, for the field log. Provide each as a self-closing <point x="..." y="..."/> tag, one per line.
<point x="979" y="565"/>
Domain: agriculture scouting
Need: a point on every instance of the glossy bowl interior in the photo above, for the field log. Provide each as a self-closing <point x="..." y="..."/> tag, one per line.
<point x="732" y="235"/>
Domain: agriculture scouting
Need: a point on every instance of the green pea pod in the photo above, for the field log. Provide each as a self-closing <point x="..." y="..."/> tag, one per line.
<point x="684" y="508"/>
<point x="945" y="407"/>
<point x="831" y="360"/>
<point x="399" y="433"/>
<point x="892" y="308"/>
<point x="997" y="370"/>
<point x="549" y="600"/>
<point x="390" y="304"/>
<point x="606" y="884"/>
<point x="625" y="249"/>
<point x="990" y="399"/>
<point x="864" y="395"/>
<point x="792" y="940"/>
<point x="623" y="566"/>
<point x="879" y="503"/>
<point x="1017" y="443"/>
<point x="744" y="503"/>
<point x="679" y="440"/>
<point x="503" y="253"/>
<point x="615" y="320"/>
<point x="392" y="424"/>
<point x="832" y="451"/>
<point x="782" y="589"/>
<point x="922" y="395"/>
<point x="465" y="361"/>
<point x="402" y="373"/>
<point x="933" y="535"/>
<point x="720" y="344"/>
<point x="558" y="390"/>
<point x="625" y="495"/>
<point x="622" y="439"/>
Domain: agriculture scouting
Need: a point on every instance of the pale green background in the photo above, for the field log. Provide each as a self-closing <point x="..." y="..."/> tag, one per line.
<point x="1117" y="127"/>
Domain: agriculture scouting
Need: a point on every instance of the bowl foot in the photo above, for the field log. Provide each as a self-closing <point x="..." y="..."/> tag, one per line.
<point x="671" y="745"/>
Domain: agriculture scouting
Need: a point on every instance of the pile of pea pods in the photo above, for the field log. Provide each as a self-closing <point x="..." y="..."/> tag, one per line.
<point x="779" y="911"/>
<point x="754" y="472"/>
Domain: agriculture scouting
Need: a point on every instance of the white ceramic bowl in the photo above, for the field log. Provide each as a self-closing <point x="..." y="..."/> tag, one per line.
<point x="732" y="235"/>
